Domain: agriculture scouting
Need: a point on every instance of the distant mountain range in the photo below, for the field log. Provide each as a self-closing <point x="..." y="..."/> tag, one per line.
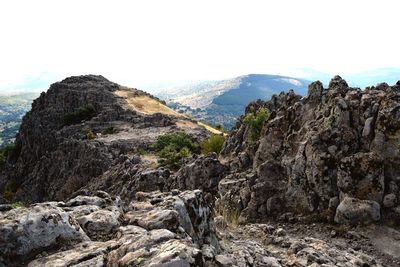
<point x="222" y="102"/>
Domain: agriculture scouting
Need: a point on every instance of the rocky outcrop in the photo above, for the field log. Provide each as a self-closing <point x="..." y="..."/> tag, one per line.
<point x="315" y="152"/>
<point x="157" y="229"/>
<point x="203" y="172"/>
<point x="82" y="128"/>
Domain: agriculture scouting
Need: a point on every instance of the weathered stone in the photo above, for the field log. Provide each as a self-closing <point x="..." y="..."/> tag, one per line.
<point x="353" y="211"/>
<point x="39" y="228"/>
<point x="83" y="254"/>
<point x="271" y="262"/>
<point x="203" y="173"/>
<point x="389" y="201"/>
<point x="315" y="91"/>
<point x="225" y="260"/>
<point x="100" y="223"/>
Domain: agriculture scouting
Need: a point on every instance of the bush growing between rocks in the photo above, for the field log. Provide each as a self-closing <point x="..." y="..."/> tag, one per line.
<point x="173" y="149"/>
<point x="212" y="144"/>
<point x="255" y="123"/>
<point x="17" y="204"/>
<point x="90" y="135"/>
<point x="83" y="113"/>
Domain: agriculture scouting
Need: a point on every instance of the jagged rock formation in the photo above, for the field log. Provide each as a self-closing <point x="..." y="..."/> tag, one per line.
<point x="336" y="147"/>
<point x="85" y="130"/>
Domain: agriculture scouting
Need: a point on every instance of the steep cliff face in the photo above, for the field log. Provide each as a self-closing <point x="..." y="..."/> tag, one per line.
<point x="338" y="145"/>
<point x="79" y="129"/>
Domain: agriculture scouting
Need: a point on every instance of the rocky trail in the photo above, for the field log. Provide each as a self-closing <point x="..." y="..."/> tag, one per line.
<point x="315" y="182"/>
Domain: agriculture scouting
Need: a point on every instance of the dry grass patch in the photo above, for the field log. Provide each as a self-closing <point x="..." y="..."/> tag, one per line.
<point x="145" y="104"/>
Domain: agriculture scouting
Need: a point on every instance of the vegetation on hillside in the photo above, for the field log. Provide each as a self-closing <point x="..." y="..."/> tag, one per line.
<point x="173" y="148"/>
<point x="212" y="144"/>
<point x="83" y="113"/>
<point x="255" y="123"/>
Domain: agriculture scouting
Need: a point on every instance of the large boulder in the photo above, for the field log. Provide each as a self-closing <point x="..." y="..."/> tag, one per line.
<point x="354" y="211"/>
<point x="25" y="232"/>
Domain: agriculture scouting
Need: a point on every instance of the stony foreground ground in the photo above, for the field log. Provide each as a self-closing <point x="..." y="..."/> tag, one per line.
<point x="177" y="229"/>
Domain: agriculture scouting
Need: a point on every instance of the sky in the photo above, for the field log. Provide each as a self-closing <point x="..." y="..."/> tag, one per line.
<point x="137" y="43"/>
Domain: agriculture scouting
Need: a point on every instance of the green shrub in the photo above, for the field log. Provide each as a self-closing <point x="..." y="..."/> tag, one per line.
<point x="173" y="159"/>
<point x="90" y="135"/>
<point x="255" y="123"/>
<point x="17" y="204"/>
<point x="173" y="148"/>
<point x="177" y="140"/>
<point x="83" y="113"/>
<point x="212" y="144"/>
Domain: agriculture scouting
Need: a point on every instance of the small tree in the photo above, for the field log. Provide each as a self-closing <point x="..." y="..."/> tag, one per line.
<point x="255" y="123"/>
<point x="212" y="144"/>
<point x="173" y="148"/>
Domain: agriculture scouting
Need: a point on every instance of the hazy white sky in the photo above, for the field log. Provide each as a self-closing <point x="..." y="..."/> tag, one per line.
<point x="139" y="42"/>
